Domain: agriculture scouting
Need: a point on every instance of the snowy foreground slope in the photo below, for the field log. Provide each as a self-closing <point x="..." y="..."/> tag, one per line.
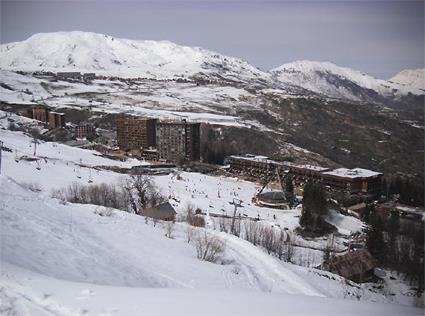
<point x="115" y="266"/>
<point x="28" y="293"/>
<point x="66" y="259"/>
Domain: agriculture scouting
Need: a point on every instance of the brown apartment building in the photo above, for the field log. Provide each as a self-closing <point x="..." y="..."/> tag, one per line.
<point x="135" y="132"/>
<point x="178" y="141"/>
<point x="85" y="131"/>
<point x="40" y="113"/>
<point x="56" y="120"/>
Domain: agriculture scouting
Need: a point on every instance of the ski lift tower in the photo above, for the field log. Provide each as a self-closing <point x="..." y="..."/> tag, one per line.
<point x="236" y="203"/>
<point x="1" y="147"/>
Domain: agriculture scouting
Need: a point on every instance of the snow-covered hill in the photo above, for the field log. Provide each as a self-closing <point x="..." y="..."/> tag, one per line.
<point x="103" y="54"/>
<point x="411" y="77"/>
<point x="339" y="82"/>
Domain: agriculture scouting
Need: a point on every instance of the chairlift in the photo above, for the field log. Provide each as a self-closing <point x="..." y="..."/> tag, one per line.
<point x="90" y="178"/>
<point x="38" y="166"/>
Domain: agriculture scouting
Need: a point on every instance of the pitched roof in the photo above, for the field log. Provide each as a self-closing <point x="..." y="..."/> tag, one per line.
<point x="352" y="263"/>
<point x="165" y="208"/>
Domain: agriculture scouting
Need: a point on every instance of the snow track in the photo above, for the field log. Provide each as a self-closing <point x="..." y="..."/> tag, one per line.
<point x="265" y="272"/>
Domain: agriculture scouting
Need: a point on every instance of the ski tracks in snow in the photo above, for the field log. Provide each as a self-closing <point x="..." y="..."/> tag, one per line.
<point x="264" y="272"/>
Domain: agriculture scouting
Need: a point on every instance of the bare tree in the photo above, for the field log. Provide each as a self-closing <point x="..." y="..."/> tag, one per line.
<point x="190" y="213"/>
<point x="189" y="233"/>
<point x="127" y="186"/>
<point x="223" y="224"/>
<point x="252" y="232"/>
<point x="280" y="245"/>
<point x="141" y="192"/>
<point x="268" y="240"/>
<point x="169" y="228"/>
<point x="192" y="218"/>
<point x="208" y="247"/>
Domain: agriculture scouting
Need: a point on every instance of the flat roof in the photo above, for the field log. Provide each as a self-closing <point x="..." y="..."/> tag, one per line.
<point x="352" y="173"/>
<point x="172" y="122"/>
<point x="311" y="167"/>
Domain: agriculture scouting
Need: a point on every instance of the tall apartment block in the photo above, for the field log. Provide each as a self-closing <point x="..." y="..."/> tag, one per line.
<point x="178" y="141"/>
<point x="40" y="113"/>
<point x="56" y="120"/>
<point x="85" y="131"/>
<point x="135" y="132"/>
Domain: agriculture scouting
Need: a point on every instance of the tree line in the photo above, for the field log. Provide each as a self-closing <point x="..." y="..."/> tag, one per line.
<point x="396" y="245"/>
<point x="410" y="190"/>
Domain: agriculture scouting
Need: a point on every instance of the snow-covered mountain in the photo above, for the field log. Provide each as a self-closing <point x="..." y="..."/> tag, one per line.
<point x="339" y="82"/>
<point x="411" y="77"/>
<point x="103" y="54"/>
<point x="107" y="55"/>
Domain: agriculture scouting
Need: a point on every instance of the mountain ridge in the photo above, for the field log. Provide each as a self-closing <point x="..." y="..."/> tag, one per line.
<point x="163" y="60"/>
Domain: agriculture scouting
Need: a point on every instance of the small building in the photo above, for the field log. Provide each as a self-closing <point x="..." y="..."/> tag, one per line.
<point x="85" y="131"/>
<point x="150" y="154"/>
<point x="89" y="76"/>
<point x="75" y="75"/>
<point x="40" y="113"/>
<point x="56" y="120"/>
<point x="164" y="211"/>
<point x="357" y="265"/>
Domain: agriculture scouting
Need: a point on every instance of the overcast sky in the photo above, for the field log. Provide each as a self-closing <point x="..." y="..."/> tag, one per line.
<point x="377" y="37"/>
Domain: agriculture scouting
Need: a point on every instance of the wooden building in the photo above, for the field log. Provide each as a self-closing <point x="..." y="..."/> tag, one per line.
<point x="357" y="265"/>
<point x="164" y="211"/>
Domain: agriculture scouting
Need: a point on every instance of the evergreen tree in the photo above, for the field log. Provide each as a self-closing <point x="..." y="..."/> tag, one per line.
<point x="314" y="207"/>
<point x="393" y="224"/>
<point x="418" y="259"/>
<point x="393" y="228"/>
<point x="370" y="209"/>
<point x="289" y="190"/>
<point x="384" y="187"/>
<point x="375" y="238"/>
